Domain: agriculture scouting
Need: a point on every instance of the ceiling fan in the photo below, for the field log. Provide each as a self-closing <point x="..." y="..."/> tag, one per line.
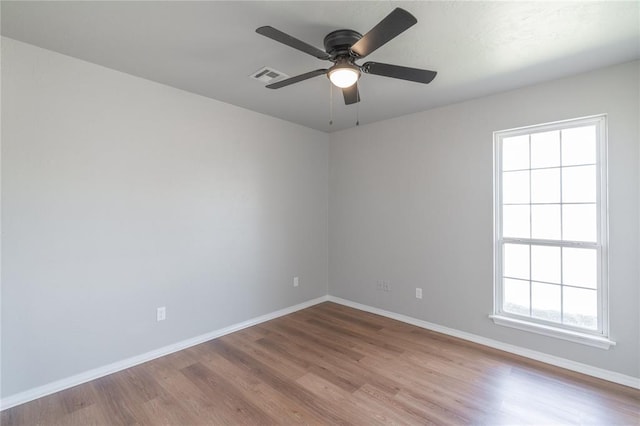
<point x="344" y="47"/>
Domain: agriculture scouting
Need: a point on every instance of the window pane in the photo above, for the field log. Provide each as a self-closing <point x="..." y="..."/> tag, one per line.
<point x="515" y="187"/>
<point x="516" y="297"/>
<point x="580" y="267"/>
<point x="579" y="146"/>
<point x="545" y="264"/>
<point x="545" y="301"/>
<point x="579" y="222"/>
<point x="545" y="186"/>
<point x="545" y="222"/>
<point x="515" y="153"/>
<point x="516" y="261"/>
<point x="580" y="307"/>
<point x="515" y="221"/>
<point x="545" y="149"/>
<point x="579" y="184"/>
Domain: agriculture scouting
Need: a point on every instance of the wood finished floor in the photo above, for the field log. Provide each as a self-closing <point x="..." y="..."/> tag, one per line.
<point x="330" y="364"/>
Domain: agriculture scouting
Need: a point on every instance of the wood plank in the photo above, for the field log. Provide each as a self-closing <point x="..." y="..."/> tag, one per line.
<point x="343" y="372"/>
<point x="230" y="403"/>
<point x="343" y="404"/>
<point x="276" y="381"/>
<point x="274" y="403"/>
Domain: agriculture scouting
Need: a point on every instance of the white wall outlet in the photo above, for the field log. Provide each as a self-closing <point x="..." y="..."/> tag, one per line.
<point x="418" y="293"/>
<point x="296" y="281"/>
<point x="161" y="313"/>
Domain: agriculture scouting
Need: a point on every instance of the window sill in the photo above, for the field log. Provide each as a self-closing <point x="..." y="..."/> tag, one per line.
<point x="572" y="336"/>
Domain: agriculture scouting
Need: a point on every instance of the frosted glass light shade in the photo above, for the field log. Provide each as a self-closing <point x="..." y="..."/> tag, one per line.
<point x="344" y="77"/>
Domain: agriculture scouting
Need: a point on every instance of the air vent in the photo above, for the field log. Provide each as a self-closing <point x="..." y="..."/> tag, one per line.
<point x="268" y="75"/>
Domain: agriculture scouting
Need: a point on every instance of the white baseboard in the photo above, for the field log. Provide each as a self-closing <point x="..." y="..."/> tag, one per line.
<point x="59" y="385"/>
<point x="600" y="373"/>
<point x="53" y="387"/>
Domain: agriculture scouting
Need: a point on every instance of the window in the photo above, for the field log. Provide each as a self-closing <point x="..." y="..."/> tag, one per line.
<point x="551" y="230"/>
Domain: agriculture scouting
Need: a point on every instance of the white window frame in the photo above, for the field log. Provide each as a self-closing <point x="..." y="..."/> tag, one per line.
<point x="600" y="337"/>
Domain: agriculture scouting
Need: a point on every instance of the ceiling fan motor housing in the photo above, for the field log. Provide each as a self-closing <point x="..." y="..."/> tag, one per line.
<point x="338" y="43"/>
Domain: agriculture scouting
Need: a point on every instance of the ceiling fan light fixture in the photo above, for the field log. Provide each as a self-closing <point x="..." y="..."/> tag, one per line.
<point x="344" y="75"/>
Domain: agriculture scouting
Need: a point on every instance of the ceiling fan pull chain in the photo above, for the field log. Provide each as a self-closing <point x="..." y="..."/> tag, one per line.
<point x="358" y="114"/>
<point x="330" y="104"/>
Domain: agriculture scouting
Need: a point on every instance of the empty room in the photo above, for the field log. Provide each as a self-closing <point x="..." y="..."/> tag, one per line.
<point x="320" y="212"/>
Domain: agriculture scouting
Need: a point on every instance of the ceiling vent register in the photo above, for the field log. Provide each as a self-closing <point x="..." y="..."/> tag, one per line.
<point x="268" y="75"/>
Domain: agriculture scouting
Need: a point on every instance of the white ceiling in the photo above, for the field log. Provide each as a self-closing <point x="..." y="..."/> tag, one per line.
<point x="210" y="47"/>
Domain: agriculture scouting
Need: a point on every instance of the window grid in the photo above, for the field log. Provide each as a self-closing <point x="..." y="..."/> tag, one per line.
<point x="548" y="282"/>
<point x="600" y="321"/>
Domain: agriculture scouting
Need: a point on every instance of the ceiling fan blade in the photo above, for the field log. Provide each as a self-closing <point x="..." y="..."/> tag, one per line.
<point x="290" y="41"/>
<point x="396" y="71"/>
<point x="395" y="23"/>
<point x="296" y="79"/>
<point x="351" y="94"/>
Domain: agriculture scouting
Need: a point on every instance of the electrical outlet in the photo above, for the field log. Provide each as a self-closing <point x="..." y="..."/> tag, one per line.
<point x="418" y="293"/>
<point x="296" y="281"/>
<point x="161" y="313"/>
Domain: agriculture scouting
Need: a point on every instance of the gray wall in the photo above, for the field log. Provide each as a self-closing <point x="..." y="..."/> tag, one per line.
<point x="120" y="195"/>
<point x="411" y="203"/>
